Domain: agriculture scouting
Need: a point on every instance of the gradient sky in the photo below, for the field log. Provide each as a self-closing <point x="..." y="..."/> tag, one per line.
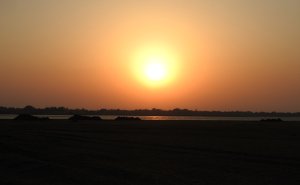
<point x="230" y="54"/>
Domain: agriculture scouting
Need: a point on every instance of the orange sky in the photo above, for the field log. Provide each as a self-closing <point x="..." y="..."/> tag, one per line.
<point x="223" y="55"/>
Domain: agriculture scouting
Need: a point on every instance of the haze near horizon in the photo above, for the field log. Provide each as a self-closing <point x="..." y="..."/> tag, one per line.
<point x="195" y="54"/>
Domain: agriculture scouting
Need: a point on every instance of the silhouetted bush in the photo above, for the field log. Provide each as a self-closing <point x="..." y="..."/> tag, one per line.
<point x="128" y="118"/>
<point x="28" y="117"/>
<point x="272" y="120"/>
<point x="84" y="118"/>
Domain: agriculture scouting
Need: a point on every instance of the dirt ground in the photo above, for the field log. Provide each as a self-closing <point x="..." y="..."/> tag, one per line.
<point x="61" y="152"/>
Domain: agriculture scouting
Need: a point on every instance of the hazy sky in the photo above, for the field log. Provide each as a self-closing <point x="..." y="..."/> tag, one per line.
<point x="225" y="54"/>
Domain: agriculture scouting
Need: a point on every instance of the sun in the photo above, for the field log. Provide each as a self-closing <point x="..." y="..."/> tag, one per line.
<point x="155" y="69"/>
<point x="155" y="66"/>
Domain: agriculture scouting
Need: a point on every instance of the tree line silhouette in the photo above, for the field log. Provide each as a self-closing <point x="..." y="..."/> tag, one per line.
<point x="141" y="112"/>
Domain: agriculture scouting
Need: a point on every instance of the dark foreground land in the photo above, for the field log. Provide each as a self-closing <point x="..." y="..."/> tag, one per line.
<point x="149" y="152"/>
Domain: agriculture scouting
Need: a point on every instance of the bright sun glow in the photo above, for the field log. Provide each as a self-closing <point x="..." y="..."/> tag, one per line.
<point x="155" y="66"/>
<point x="155" y="69"/>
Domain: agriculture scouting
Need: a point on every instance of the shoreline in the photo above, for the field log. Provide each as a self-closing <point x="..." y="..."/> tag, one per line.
<point x="161" y="118"/>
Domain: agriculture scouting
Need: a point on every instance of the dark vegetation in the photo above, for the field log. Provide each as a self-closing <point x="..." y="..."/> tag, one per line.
<point x="140" y="112"/>
<point x="84" y="118"/>
<point x="272" y="120"/>
<point x="128" y="118"/>
<point x="28" y="117"/>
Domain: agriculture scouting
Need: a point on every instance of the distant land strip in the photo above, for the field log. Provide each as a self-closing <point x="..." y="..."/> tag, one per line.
<point x="140" y="112"/>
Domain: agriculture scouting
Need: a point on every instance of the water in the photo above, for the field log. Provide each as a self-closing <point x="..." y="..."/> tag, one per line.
<point x="211" y="118"/>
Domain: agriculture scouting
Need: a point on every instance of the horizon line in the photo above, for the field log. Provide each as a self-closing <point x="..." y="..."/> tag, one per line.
<point x="147" y="109"/>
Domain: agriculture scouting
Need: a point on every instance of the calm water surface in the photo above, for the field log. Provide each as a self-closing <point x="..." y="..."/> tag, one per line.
<point x="111" y="117"/>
